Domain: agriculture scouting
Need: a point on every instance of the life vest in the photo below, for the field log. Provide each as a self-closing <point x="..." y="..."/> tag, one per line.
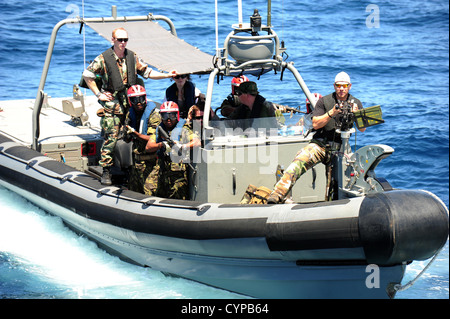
<point x="328" y="132"/>
<point x="330" y="101"/>
<point x="189" y="96"/>
<point x="142" y="126"/>
<point x="115" y="81"/>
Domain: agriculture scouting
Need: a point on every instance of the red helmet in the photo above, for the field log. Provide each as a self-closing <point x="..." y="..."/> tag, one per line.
<point x="316" y="97"/>
<point x="169" y="107"/>
<point x="136" y="94"/>
<point x="236" y="81"/>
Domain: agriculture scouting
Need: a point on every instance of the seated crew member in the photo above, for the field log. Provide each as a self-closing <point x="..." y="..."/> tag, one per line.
<point x="253" y="105"/>
<point x="200" y="103"/>
<point x="230" y="104"/>
<point x="196" y="112"/>
<point x="324" y="118"/>
<point x="118" y="68"/>
<point x="172" y="178"/>
<point x="182" y="92"/>
<point x="141" y="125"/>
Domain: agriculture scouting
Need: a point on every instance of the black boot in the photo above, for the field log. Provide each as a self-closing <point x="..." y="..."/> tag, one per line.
<point x="106" y="176"/>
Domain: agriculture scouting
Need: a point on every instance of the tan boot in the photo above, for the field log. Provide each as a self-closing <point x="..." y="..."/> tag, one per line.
<point x="274" y="198"/>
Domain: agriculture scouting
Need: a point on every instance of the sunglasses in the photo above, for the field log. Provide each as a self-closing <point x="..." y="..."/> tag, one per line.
<point x="137" y="99"/>
<point x="239" y="93"/>
<point x="341" y="85"/>
<point x="180" y="76"/>
<point x="169" y="115"/>
<point x="122" y="39"/>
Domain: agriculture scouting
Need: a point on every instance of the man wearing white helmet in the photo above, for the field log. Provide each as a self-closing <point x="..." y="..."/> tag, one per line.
<point x="326" y="117"/>
<point x="328" y="111"/>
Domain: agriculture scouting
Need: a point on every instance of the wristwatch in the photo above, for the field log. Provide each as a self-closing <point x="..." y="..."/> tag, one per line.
<point x="98" y="94"/>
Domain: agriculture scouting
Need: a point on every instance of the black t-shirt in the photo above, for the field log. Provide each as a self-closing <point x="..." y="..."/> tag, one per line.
<point x="325" y="104"/>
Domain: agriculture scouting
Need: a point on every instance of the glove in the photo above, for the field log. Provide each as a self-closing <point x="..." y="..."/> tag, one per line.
<point x="129" y="129"/>
<point x="177" y="148"/>
<point x="166" y="148"/>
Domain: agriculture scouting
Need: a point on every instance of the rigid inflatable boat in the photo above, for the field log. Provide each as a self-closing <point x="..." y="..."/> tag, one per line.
<point x="356" y="245"/>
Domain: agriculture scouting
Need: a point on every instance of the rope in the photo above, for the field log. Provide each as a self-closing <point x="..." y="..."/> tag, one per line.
<point x="399" y="287"/>
<point x="217" y="28"/>
<point x="84" y="41"/>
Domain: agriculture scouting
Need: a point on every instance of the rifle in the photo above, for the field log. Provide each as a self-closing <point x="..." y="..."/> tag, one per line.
<point x="165" y="136"/>
<point x="287" y="109"/>
<point x="171" y="143"/>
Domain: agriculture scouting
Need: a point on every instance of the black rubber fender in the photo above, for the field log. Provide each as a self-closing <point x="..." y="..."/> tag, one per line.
<point x="402" y="225"/>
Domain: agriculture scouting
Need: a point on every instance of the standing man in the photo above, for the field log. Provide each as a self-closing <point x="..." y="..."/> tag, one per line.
<point x="325" y="117"/>
<point x="118" y="68"/>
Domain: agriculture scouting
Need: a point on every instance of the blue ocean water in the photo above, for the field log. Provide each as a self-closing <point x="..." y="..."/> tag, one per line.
<point x="396" y="52"/>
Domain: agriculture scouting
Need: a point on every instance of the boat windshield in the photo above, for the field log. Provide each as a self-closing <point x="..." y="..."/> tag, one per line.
<point x="298" y="124"/>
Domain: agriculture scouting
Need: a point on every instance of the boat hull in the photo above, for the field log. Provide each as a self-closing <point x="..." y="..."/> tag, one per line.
<point x="260" y="278"/>
<point x="342" y="249"/>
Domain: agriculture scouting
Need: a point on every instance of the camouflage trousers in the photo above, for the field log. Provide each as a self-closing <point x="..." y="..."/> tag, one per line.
<point x="110" y="123"/>
<point x="174" y="185"/>
<point x="171" y="181"/>
<point x="144" y="177"/>
<point x="305" y="159"/>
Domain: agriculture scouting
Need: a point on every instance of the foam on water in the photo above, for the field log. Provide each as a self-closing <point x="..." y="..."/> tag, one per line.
<point x="69" y="266"/>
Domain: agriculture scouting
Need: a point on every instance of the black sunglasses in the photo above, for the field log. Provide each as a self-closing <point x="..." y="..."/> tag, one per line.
<point x="122" y="39"/>
<point x="180" y="76"/>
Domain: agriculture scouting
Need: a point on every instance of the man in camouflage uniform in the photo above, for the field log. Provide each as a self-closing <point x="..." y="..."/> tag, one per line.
<point x="117" y="68"/>
<point x="172" y="179"/>
<point x="325" y="117"/>
<point x="141" y="125"/>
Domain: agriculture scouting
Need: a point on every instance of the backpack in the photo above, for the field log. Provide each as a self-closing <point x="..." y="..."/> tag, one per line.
<point x="256" y="195"/>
